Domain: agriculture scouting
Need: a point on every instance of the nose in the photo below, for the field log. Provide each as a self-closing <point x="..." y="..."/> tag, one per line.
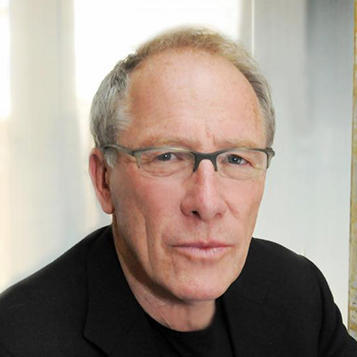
<point x="203" y="198"/>
<point x="201" y="156"/>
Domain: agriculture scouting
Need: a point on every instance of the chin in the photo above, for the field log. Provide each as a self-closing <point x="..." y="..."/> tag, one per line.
<point x="201" y="291"/>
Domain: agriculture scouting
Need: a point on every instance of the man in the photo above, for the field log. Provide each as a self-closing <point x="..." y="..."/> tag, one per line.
<point x="183" y="132"/>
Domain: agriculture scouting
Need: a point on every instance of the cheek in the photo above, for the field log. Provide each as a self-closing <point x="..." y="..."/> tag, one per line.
<point x="158" y="197"/>
<point x="244" y="204"/>
<point x="144" y="212"/>
<point x="128" y="212"/>
<point x="161" y="211"/>
<point x="143" y="194"/>
<point x="144" y="206"/>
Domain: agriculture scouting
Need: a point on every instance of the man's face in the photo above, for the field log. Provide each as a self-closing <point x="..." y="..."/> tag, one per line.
<point x="188" y="238"/>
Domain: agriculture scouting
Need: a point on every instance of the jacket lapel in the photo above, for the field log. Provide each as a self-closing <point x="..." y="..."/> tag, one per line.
<point x="115" y="321"/>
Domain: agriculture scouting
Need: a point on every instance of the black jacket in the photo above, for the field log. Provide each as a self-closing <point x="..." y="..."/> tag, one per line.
<point x="81" y="305"/>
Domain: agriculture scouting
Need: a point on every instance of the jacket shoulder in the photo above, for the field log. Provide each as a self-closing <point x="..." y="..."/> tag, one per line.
<point x="49" y="303"/>
<point x="301" y="299"/>
<point x="291" y="276"/>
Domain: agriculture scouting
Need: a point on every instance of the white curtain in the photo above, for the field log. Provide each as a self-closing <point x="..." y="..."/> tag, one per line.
<point x="47" y="202"/>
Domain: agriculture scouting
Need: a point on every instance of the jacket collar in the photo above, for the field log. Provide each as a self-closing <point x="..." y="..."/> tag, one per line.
<point x="115" y="321"/>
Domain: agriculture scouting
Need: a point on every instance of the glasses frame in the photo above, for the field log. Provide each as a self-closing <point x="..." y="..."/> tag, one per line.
<point x="198" y="156"/>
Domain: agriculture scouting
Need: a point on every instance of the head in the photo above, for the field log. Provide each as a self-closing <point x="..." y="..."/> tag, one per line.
<point x="182" y="237"/>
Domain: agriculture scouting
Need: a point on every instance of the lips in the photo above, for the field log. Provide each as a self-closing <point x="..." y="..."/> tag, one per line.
<point x="206" y="250"/>
<point x="203" y="245"/>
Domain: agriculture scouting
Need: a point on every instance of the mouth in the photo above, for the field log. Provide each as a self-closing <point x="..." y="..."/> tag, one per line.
<point x="203" y="250"/>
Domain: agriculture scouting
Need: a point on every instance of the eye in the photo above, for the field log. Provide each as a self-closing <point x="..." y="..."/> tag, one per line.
<point x="236" y="160"/>
<point x="161" y="157"/>
<point x="167" y="156"/>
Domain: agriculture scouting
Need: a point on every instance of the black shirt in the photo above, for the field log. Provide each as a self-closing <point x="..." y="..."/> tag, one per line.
<point x="212" y="341"/>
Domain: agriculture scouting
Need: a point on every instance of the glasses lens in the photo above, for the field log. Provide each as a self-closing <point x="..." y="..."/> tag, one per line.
<point x="242" y="164"/>
<point x="164" y="162"/>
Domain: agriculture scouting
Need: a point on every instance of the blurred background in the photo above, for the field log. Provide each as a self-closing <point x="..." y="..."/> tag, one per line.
<point x="53" y="55"/>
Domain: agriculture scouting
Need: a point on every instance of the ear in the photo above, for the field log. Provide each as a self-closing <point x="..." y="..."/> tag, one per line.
<point x="100" y="174"/>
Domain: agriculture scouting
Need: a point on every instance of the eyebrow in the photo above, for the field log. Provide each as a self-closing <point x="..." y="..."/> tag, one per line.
<point x="170" y="141"/>
<point x="191" y="143"/>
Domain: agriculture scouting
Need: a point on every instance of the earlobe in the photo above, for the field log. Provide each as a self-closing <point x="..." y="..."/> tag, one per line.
<point x="100" y="175"/>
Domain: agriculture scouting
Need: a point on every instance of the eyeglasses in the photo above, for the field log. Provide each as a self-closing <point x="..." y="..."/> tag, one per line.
<point x="237" y="163"/>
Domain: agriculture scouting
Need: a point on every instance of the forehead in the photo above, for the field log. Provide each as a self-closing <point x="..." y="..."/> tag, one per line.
<point x="192" y="97"/>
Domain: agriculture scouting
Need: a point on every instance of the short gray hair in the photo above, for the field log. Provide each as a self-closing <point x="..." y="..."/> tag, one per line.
<point x="109" y="111"/>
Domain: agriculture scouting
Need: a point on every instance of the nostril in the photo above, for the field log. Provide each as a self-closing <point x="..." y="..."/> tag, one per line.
<point x="195" y="213"/>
